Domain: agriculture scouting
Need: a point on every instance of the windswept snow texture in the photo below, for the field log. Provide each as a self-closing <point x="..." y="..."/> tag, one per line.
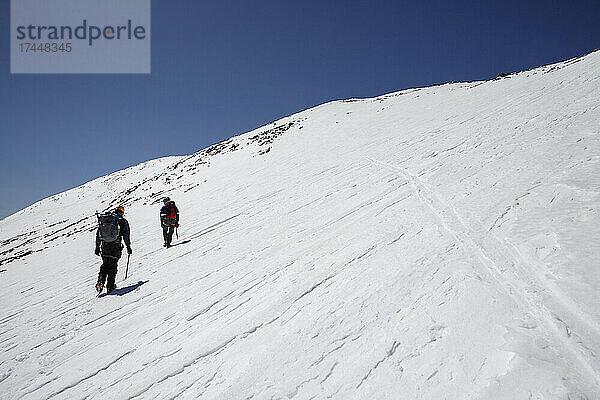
<point x="435" y="243"/>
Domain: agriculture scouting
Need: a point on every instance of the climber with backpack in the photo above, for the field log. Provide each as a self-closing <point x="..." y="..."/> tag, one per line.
<point x="169" y="220"/>
<point x="112" y="227"/>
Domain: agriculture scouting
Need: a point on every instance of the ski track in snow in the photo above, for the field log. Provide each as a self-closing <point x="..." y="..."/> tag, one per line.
<point x="513" y="277"/>
<point x="432" y="243"/>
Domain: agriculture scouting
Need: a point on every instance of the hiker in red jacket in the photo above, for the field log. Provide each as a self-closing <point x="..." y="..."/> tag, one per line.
<point x="169" y="220"/>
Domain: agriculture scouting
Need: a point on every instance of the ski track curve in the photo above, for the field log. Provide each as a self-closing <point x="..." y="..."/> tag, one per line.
<point x="518" y="286"/>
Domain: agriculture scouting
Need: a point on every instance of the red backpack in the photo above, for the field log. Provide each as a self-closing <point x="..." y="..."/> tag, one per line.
<point x="171" y="214"/>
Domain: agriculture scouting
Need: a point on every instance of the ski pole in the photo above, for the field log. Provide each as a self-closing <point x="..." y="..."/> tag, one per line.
<point x="127" y="269"/>
<point x="177" y="232"/>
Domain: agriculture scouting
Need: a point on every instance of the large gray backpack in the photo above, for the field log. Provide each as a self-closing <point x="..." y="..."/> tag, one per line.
<point x="108" y="227"/>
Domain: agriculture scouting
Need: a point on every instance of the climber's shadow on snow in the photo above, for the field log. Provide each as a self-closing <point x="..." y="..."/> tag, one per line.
<point x="184" y="242"/>
<point x="124" y="290"/>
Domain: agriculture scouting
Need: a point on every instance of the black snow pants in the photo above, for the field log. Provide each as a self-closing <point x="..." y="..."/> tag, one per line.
<point x="168" y="234"/>
<point x="108" y="272"/>
<point x="111" y="252"/>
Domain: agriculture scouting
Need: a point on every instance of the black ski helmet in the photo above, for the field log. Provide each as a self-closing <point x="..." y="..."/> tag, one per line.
<point x="166" y="200"/>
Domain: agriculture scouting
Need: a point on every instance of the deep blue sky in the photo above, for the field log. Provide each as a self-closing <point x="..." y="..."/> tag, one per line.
<point x="222" y="68"/>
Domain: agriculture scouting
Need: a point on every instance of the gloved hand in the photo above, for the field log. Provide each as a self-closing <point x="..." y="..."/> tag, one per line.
<point x="97" y="251"/>
<point x="129" y="251"/>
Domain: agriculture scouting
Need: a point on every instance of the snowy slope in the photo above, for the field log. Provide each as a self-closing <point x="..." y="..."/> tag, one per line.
<point x="435" y="243"/>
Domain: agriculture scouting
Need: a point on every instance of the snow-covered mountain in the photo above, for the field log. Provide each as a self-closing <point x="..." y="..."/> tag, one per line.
<point x="434" y="243"/>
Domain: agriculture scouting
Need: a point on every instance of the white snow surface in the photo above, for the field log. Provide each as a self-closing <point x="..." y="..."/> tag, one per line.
<point x="435" y="243"/>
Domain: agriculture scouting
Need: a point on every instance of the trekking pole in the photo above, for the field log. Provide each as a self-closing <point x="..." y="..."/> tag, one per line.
<point x="127" y="269"/>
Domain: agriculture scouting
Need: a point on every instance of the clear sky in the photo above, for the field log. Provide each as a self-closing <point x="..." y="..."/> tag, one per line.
<point x="223" y="68"/>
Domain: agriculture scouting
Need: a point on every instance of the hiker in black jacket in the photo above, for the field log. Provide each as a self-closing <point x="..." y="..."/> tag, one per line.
<point x="111" y="251"/>
<point x="169" y="220"/>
